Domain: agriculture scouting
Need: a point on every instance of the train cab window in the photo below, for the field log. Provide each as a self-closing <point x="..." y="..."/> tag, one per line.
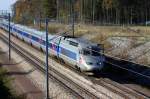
<point x="86" y="52"/>
<point x="92" y="52"/>
<point x="95" y="51"/>
<point x="73" y="43"/>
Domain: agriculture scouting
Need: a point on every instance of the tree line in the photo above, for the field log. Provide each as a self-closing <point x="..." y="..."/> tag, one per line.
<point x="107" y="12"/>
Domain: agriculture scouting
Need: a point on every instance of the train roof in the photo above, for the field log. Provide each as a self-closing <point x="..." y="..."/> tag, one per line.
<point x="81" y="41"/>
<point x="30" y="30"/>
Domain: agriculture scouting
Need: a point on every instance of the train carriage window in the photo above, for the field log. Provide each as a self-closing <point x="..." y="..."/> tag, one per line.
<point x="44" y="42"/>
<point x="50" y="45"/>
<point x="73" y="43"/>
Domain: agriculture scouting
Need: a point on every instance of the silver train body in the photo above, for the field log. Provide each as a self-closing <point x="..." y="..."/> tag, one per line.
<point x="78" y="52"/>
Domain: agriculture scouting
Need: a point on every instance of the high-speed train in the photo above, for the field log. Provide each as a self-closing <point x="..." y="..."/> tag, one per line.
<point x="80" y="53"/>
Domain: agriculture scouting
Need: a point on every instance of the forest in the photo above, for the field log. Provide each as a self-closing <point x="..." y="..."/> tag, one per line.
<point x="101" y="12"/>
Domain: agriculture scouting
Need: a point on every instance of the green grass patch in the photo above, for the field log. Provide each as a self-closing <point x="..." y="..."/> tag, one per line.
<point x="6" y="91"/>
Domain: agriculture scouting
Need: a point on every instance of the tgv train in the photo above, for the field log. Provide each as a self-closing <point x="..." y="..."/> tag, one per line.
<point x="78" y="52"/>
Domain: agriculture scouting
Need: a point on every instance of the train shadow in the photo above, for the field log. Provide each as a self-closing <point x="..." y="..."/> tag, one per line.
<point x="11" y="63"/>
<point x="127" y="73"/>
<point x="12" y="73"/>
<point x="1" y="52"/>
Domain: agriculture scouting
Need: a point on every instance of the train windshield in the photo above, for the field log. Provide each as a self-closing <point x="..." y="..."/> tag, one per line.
<point x="93" y="51"/>
<point x="86" y="52"/>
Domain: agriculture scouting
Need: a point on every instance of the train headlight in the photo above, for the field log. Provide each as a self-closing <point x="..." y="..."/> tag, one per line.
<point x="99" y="63"/>
<point x="89" y="63"/>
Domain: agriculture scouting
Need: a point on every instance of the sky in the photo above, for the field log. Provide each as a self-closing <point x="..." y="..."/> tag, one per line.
<point x="6" y="4"/>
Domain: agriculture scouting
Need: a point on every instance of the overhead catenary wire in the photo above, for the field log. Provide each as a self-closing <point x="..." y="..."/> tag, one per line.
<point x="64" y="33"/>
<point x="114" y="58"/>
<point x="102" y="53"/>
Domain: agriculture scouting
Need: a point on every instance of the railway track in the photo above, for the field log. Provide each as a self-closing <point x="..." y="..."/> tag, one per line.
<point x="74" y="88"/>
<point x="111" y="85"/>
<point x="115" y="87"/>
<point x="124" y="92"/>
<point x="138" y="89"/>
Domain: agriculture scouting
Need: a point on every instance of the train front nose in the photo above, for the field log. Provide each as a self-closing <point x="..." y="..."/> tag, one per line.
<point x="94" y="66"/>
<point x="93" y="63"/>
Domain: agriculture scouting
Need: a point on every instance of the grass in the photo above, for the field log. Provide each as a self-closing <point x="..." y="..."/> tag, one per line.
<point x="53" y="27"/>
<point x="6" y="91"/>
